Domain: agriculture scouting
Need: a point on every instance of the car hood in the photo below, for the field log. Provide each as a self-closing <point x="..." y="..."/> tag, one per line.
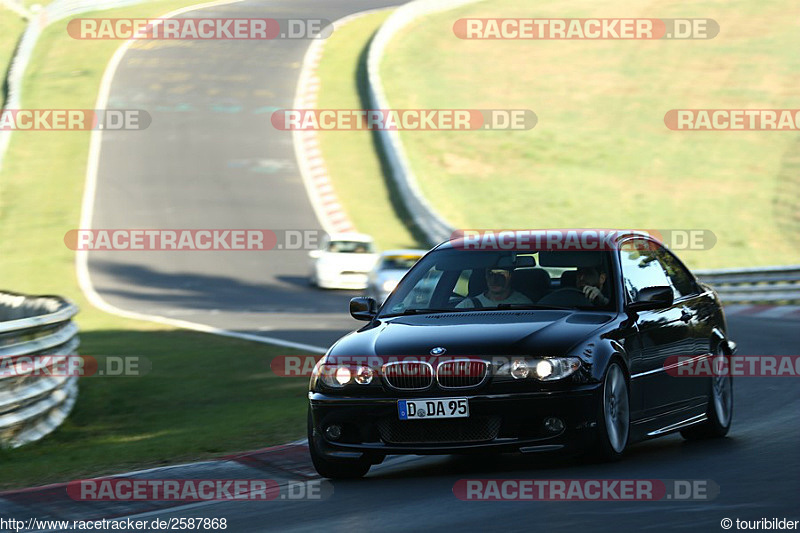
<point x="475" y="333"/>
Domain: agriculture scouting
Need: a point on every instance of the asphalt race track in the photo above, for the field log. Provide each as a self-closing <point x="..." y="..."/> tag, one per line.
<point x="756" y="469"/>
<point x="210" y="159"/>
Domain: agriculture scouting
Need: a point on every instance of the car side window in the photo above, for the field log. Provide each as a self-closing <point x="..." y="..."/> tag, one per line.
<point x="641" y="267"/>
<point x="679" y="276"/>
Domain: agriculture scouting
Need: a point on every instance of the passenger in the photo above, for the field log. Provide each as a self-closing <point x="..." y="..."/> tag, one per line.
<point x="590" y="281"/>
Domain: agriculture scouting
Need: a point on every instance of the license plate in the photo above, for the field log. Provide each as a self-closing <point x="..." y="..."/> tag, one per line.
<point x="433" y="408"/>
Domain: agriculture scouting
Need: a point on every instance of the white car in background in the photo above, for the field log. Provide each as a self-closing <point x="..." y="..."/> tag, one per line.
<point x="390" y="269"/>
<point x="343" y="261"/>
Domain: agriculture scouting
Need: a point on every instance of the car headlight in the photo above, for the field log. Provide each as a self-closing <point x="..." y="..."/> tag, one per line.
<point x="364" y="375"/>
<point x="519" y="369"/>
<point x="342" y="375"/>
<point x="389" y="285"/>
<point x="544" y="369"/>
<point x="337" y="376"/>
<point x="334" y="376"/>
<point x="540" y="368"/>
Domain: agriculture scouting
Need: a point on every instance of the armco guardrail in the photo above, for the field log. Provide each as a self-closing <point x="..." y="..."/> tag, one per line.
<point x="32" y="403"/>
<point x="777" y="284"/>
<point x="435" y="228"/>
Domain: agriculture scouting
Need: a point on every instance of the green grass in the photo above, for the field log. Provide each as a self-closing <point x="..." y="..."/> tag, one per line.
<point x="351" y="156"/>
<point x="11" y="28"/>
<point x="205" y="395"/>
<point x="601" y="155"/>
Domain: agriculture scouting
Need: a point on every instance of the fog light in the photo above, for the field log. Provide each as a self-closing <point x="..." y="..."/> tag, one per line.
<point x="364" y="375"/>
<point x="554" y="425"/>
<point x="333" y="432"/>
<point x="519" y="369"/>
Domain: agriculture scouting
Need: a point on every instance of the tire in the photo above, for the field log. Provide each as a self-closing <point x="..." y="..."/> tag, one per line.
<point x="613" y="416"/>
<point x="719" y="413"/>
<point x="334" y="468"/>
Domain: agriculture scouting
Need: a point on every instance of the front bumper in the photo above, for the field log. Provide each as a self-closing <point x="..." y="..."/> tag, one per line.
<point x="327" y="280"/>
<point x="497" y="422"/>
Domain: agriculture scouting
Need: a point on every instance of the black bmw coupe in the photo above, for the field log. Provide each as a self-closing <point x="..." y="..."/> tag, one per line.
<point x="523" y="350"/>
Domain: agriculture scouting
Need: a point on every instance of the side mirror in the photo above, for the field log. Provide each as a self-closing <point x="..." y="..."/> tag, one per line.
<point x="652" y="298"/>
<point x="363" y="308"/>
<point x="315" y="254"/>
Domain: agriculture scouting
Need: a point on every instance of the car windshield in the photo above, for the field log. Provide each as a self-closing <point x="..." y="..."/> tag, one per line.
<point x="399" y="262"/>
<point x="351" y="247"/>
<point x="458" y="280"/>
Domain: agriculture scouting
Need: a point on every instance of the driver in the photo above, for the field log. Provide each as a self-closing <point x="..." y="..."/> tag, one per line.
<point x="498" y="291"/>
<point x="590" y="281"/>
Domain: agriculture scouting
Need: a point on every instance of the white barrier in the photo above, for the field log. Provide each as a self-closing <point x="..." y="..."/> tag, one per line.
<point x="427" y="220"/>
